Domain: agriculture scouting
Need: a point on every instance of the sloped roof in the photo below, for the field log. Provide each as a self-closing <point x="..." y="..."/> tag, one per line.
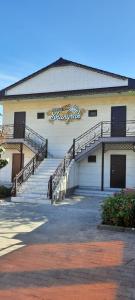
<point x="64" y="62"/>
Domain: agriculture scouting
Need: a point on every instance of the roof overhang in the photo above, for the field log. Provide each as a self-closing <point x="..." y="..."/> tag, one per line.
<point x="100" y="92"/>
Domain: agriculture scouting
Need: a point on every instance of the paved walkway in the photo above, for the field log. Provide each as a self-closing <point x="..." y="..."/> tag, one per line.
<point x="60" y="254"/>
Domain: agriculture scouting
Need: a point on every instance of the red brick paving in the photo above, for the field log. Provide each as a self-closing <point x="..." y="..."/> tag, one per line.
<point x="77" y="292"/>
<point x="42" y="258"/>
<point x="63" y="256"/>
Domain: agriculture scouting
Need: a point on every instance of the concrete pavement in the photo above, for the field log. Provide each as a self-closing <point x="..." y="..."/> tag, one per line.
<point x="60" y="253"/>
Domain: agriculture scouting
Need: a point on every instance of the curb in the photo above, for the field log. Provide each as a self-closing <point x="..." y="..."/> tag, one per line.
<point x="115" y="228"/>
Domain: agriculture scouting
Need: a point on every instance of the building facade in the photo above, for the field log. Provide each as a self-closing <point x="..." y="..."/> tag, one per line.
<point x="65" y="106"/>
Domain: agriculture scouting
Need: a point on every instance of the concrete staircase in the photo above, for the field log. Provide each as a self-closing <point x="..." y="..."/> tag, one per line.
<point x="35" y="189"/>
<point x="91" y="192"/>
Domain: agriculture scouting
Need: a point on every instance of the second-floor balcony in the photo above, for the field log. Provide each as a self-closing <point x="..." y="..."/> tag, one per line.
<point x="104" y="132"/>
<point x="21" y="133"/>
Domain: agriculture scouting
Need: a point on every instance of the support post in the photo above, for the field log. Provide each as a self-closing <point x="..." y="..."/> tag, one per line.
<point x="73" y="148"/>
<point x="50" y="189"/>
<point x="64" y="166"/>
<point x="102" y="167"/>
<point x="101" y="129"/>
<point x="21" y="152"/>
<point x="21" y="162"/>
<point x="46" y="152"/>
<point x="33" y="167"/>
<point x="15" y="187"/>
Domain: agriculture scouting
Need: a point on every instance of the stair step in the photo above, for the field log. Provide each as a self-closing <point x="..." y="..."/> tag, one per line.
<point x="30" y="200"/>
<point x="94" y="193"/>
<point x="37" y="175"/>
<point x="35" y="189"/>
<point x="42" y="176"/>
<point x="42" y="180"/>
<point x="49" y="165"/>
<point x="45" y="172"/>
<point x="33" y="194"/>
<point x="31" y="184"/>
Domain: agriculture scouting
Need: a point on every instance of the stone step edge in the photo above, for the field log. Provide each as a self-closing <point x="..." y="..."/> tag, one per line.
<point x="32" y="201"/>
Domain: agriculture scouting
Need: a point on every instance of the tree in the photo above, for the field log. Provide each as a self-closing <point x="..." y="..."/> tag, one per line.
<point x="3" y="162"/>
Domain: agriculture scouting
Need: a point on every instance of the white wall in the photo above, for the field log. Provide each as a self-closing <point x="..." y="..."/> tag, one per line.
<point x="90" y="173"/>
<point x="72" y="177"/>
<point x="64" y="79"/>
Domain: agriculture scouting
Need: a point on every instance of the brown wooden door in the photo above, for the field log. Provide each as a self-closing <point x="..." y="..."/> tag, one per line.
<point x="118" y="121"/>
<point x="17" y="163"/>
<point x="19" y="124"/>
<point x="118" y="171"/>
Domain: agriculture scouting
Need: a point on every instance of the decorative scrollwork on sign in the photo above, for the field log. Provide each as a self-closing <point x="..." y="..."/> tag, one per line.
<point x="67" y="113"/>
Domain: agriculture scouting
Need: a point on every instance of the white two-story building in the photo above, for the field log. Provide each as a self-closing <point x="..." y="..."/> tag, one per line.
<point x="67" y="126"/>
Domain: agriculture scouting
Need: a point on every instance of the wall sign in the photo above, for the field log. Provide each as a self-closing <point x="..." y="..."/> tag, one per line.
<point x="66" y="113"/>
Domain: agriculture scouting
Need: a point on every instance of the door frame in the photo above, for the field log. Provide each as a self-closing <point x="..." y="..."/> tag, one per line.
<point x="125" y="171"/>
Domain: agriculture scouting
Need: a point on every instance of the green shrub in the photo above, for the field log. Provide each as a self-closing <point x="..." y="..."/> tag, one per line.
<point x="3" y="163"/>
<point x="5" y="192"/>
<point x="119" y="210"/>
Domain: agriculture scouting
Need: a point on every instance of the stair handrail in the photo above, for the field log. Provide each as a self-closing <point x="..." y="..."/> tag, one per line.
<point x="88" y="137"/>
<point x="34" y="132"/>
<point x="59" y="172"/>
<point x="87" y="131"/>
<point x="29" y="168"/>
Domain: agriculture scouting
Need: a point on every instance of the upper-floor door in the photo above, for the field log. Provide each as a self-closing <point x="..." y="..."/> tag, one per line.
<point x="118" y="121"/>
<point x="19" y="124"/>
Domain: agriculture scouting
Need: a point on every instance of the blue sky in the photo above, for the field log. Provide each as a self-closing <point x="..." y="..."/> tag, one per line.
<point x="34" y="33"/>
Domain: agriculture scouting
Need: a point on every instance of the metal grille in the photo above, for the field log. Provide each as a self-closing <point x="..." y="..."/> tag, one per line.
<point x="122" y="146"/>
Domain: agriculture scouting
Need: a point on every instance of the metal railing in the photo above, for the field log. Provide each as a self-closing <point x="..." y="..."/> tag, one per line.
<point x="103" y="129"/>
<point x="29" y="169"/>
<point x="60" y="171"/>
<point x="34" y="139"/>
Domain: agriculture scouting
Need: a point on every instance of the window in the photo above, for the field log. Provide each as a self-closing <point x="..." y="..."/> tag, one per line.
<point x="92" y="158"/>
<point x="92" y="113"/>
<point x="40" y="115"/>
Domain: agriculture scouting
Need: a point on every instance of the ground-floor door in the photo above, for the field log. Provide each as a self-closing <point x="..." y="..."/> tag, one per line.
<point x="17" y="163"/>
<point x="118" y="171"/>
